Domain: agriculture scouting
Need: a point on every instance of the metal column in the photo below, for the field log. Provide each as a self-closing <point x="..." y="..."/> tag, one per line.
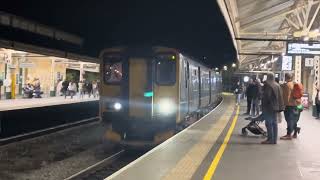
<point x="52" y="78"/>
<point x="316" y="81"/>
<point x="8" y="81"/>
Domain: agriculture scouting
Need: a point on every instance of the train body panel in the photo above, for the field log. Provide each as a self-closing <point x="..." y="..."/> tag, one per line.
<point x="146" y="95"/>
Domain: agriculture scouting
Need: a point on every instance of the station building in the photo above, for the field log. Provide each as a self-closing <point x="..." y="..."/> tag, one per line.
<point x="17" y="68"/>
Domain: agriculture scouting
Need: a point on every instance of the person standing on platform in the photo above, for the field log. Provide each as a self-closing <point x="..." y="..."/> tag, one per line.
<point x="89" y="88"/>
<point x="291" y="101"/>
<point x="238" y="92"/>
<point x="95" y="89"/>
<point x="72" y="88"/>
<point x="81" y="89"/>
<point x="317" y="102"/>
<point x="249" y="94"/>
<point x="256" y="96"/>
<point x="272" y="104"/>
<point x="64" y="89"/>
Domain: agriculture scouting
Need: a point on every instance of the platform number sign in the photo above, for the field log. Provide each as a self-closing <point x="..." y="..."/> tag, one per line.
<point x="286" y="63"/>
<point x="309" y="62"/>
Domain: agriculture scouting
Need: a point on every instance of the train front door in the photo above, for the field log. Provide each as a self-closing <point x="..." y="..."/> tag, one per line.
<point x="140" y="91"/>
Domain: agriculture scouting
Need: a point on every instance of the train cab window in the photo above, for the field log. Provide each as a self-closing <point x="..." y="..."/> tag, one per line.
<point x="112" y="72"/>
<point x="165" y="70"/>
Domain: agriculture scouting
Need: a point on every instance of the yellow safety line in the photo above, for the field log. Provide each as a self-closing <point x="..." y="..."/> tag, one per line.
<point x="222" y="148"/>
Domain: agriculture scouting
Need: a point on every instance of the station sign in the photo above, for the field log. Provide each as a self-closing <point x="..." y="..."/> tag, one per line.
<point x="309" y="62"/>
<point x="27" y="65"/>
<point x="286" y="63"/>
<point x="303" y="48"/>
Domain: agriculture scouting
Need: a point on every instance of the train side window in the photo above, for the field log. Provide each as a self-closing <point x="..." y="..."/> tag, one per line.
<point x="165" y="72"/>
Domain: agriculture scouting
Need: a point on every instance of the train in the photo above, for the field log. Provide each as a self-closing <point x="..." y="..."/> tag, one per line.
<point x="147" y="93"/>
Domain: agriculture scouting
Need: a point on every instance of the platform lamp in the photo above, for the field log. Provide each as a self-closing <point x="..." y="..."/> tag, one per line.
<point x="225" y="68"/>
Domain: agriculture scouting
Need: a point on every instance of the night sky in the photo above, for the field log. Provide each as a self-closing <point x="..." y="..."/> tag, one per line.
<point x="195" y="27"/>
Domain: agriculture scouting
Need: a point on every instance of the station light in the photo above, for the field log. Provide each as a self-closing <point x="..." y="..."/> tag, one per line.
<point x="217" y="69"/>
<point x="225" y="68"/>
<point x="246" y="79"/>
<point x="117" y="106"/>
<point x="234" y="65"/>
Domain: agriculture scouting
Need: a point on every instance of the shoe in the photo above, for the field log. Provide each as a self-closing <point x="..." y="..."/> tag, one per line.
<point x="245" y="113"/>
<point x="295" y="136"/>
<point x="266" y="142"/>
<point x="286" y="137"/>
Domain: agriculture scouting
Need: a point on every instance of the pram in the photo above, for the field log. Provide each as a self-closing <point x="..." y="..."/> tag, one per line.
<point x="253" y="126"/>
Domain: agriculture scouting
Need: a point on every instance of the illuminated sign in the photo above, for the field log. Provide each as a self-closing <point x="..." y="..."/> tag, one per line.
<point x="148" y="94"/>
<point x="303" y="48"/>
<point x="286" y="63"/>
<point x="308" y="62"/>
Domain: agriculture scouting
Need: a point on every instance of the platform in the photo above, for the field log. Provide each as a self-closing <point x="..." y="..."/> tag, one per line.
<point x="213" y="148"/>
<point x="14" y="104"/>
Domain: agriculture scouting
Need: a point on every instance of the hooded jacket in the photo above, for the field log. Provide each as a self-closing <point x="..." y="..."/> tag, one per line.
<point x="272" y="98"/>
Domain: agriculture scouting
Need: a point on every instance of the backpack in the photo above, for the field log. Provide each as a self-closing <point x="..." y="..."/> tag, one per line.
<point x="297" y="91"/>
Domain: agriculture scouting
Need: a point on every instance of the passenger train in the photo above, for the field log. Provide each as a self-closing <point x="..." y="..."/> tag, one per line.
<point x="146" y="93"/>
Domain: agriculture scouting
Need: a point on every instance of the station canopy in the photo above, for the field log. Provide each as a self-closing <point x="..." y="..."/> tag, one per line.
<point x="260" y="29"/>
<point x="72" y="62"/>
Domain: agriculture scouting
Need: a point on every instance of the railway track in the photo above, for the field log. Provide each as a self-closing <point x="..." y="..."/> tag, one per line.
<point x="107" y="166"/>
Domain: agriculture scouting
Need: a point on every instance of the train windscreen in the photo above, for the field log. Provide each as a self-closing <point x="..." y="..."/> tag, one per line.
<point x="166" y="70"/>
<point x="112" y="70"/>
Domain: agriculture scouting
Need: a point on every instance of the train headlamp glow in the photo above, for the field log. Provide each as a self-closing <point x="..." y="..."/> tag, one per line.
<point x="117" y="106"/>
<point x="166" y="107"/>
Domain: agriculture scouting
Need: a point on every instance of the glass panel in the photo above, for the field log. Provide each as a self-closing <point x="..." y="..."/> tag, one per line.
<point x="113" y="72"/>
<point x="166" y="70"/>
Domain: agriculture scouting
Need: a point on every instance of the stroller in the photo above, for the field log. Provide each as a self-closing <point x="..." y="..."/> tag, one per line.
<point x="253" y="126"/>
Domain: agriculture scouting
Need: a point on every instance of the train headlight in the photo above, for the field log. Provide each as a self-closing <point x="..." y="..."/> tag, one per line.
<point x="117" y="106"/>
<point x="166" y="107"/>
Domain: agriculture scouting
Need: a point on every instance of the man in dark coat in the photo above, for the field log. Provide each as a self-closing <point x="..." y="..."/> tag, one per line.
<point x="272" y="103"/>
<point x="249" y="94"/>
<point x="64" y="88"/>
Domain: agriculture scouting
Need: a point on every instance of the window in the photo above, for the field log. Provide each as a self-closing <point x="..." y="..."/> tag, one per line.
<point x="165" y="70"/>
<point x="112" y="70"/>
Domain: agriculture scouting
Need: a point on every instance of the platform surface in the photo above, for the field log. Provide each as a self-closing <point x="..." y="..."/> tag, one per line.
<point x="191" y="153"/>
<point x="14" y="104"/>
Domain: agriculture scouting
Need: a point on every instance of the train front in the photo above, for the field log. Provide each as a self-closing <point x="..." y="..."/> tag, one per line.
<point x="139" y="96"/>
